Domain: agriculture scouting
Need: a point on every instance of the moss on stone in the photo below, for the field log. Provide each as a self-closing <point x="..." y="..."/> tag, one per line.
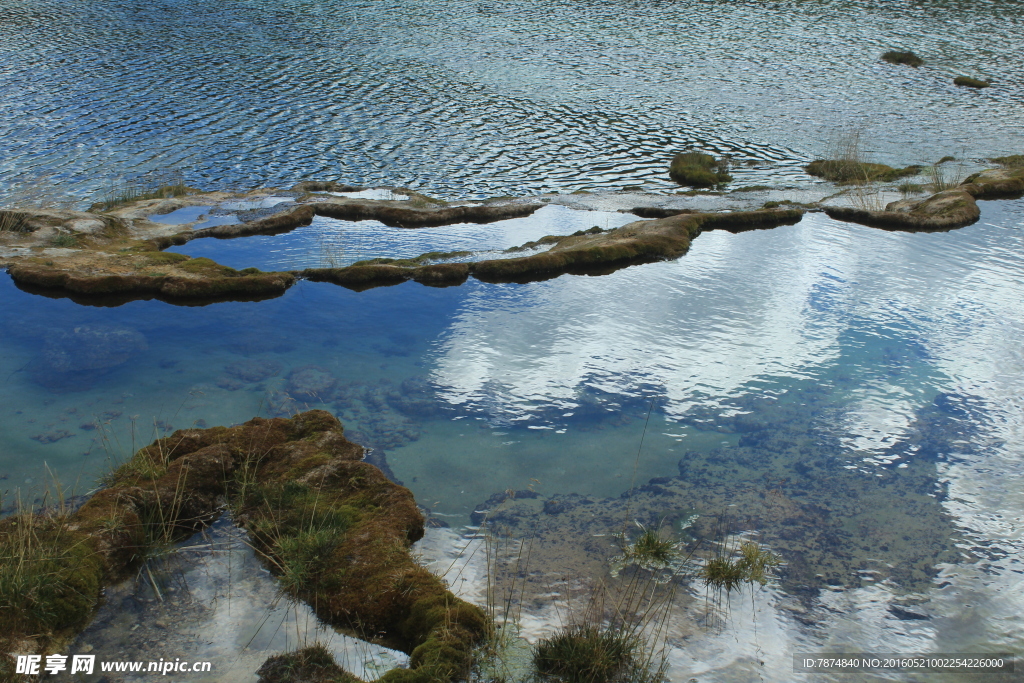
<point x="696" y="169"/>
<point x="902" y="57"/>
<point x="331" y="526"/>
<point x="848" y="171"/>
<point x="968" y="82"/>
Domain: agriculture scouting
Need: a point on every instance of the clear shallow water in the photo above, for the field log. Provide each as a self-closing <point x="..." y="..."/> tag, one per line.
<point x="876" y="375"/>
<point x="472" y="97"/>
<point x="212" y="600"/>
<point x="327" y="242"/>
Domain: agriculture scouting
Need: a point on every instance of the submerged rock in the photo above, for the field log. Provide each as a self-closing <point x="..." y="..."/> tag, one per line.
<point x="311" y="382"/>
<point x="90" y="347"/>
<point x="252" y="370"/>
<point x="73" y="360"/>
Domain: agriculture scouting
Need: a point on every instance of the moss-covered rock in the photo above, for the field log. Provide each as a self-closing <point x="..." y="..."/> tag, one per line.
<point x="168" y="276"/>
<point x="276" y="224"/>
<point x="942" y="211"/>
<point x="996" y="183"/>
<point x="331" y="526"/>
<point x="697" y="169"/>
<point x="397" y="214"/>
<point x="968" y="82"/>
<point x="313" y="664"/>
<point x="850" y="171"/>
<point x="1011" y="161"/>
<point x="638" y="242"/>
<point x="905" y="57"/>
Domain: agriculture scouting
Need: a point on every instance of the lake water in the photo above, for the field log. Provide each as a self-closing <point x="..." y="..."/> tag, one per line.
<point x="870" y="376"/>
<point x="489" y="97"/>
<point x="869" y="380"/>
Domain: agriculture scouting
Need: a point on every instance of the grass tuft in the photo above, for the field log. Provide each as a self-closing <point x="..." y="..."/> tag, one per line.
<point x="589" y="654"/>
<point x="651" y="550"/>
<point x="65" y="240"/>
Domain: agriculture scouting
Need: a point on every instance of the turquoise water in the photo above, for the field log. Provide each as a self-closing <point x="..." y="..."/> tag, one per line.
<point x="872" y="380"/>
<point x="487" y="97"/>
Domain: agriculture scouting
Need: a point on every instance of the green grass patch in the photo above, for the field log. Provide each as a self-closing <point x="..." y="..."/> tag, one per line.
<point x="165" y="258"/>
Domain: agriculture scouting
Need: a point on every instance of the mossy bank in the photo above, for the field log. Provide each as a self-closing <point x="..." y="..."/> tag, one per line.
<point x="332" y="527"/>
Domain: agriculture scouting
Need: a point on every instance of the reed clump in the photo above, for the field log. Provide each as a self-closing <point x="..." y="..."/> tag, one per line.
<point x="13" y="221"/>
<point x="156" y="185"/>
<point x="844" y="163"/>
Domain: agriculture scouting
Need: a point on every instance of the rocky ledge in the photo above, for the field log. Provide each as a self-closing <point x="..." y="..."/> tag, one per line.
<point x="591" y="252"/>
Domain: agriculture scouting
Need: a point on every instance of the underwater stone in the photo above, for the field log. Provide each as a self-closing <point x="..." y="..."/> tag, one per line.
<point x="311" y="382"/>
<point x="252" y="370"/>
<point x="90" y="347"/>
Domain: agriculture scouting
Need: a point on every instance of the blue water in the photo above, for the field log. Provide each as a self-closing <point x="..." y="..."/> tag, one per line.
<point x="877" y="373"/>
<point x="471" y="98"/>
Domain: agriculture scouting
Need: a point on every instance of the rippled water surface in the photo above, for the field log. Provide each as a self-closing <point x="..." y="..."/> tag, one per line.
<point x="870" y="380"/>
<point x="480" y="97"/>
